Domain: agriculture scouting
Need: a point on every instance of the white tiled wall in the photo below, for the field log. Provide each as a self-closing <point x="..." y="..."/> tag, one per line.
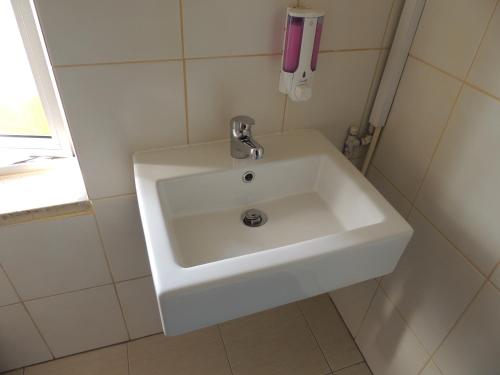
<point x="437" y="163"/>
<point x="135" y="75"/>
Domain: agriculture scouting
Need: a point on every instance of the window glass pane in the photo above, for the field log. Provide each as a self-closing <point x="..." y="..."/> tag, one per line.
<point x="21" y="111"/>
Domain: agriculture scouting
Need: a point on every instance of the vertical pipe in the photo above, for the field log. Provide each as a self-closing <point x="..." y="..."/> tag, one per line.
<point x="405" y="32"/>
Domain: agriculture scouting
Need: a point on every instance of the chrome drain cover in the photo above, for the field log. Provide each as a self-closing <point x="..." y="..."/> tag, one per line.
<point x="253" y="218"/>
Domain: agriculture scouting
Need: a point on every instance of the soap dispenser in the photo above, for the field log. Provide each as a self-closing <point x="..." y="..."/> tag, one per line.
<point x="300" y="52"/>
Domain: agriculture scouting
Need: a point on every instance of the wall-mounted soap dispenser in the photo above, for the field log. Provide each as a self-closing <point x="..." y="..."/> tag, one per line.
<point x="300" y="52"/>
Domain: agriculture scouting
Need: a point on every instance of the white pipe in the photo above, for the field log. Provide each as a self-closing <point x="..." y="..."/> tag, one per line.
<point x="405" y="32"/>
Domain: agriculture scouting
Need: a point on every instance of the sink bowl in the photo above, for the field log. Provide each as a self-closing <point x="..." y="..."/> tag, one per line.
<point x="327" y="227"/>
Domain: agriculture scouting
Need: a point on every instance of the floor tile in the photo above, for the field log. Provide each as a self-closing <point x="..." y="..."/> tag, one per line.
<point x="359" y="369"/>
<point x="199" y="352"/>
<point x="333" y="337"/>
<point x="107" y="361"/>
<point x="353" y="301"/>
<point x="276" y="341"/>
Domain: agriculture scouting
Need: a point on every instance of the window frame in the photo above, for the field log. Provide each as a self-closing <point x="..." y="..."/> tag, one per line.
<point x="59" y="144"/>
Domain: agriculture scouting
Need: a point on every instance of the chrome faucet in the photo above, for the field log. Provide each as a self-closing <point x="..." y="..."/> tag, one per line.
<point x="242" y="143"/>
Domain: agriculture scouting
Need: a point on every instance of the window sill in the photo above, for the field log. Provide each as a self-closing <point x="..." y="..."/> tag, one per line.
<point x="24" y="195"/>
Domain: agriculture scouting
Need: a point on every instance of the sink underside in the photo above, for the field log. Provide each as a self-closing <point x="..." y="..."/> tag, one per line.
<point x="326" y="228"/>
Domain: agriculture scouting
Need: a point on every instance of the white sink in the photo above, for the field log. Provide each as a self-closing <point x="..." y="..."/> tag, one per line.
<point x="327" y="227"/>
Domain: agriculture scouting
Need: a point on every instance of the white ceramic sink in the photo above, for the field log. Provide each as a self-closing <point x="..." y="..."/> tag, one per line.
<point x="327" y="227"/>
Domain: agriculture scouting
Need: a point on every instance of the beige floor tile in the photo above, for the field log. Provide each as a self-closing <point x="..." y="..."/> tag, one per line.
<point x="359" y="369"/>
<point x="276" y="341"/>
<point x="199" y="352"/>
<point x="330" y="331"/>
<point x="15" y="372"/>
<point x="108" y="361"/>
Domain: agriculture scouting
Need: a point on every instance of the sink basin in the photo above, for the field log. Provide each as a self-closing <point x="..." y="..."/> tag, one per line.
<point x="327" y="227"/>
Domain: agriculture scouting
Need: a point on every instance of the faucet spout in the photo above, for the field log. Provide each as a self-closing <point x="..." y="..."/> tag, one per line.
<point x="242" y="143"/>
<point x="255" y="150"/>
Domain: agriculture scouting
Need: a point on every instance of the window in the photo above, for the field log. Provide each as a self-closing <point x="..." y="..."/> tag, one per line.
<point x="32" y="124"/>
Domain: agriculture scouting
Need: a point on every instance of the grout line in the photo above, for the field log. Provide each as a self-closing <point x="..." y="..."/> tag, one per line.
<point x="314" y="336"/>
<point x="108" y="265"/>
<point x="113" y="196"/>
<point x="463" y="81"/>
<point x="2" y="269"/>
<point x="216" y="57"/>
<point x="78" y="290"/>
<point x="212" y="57"/>
<point x="450" y="242"/>
<point x="455" y="324"/>
<point x="350" y="334"/>
<point x="80" y="353"/>
<point x="152" y="61"/>
<point x="348" y="367"/>
<point x="415" y="208"/>
<point x="184" y="72"/>
<point x="225" y="348"/>
<point x="398" y="311"/>
<point x="367" y="309"/>
<point x="447" y="123"/>
<point x="128" y="358"/>
<point x="284" y="114"/>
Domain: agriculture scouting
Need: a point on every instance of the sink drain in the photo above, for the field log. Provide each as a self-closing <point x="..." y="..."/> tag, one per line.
<point x="253" y="218"/>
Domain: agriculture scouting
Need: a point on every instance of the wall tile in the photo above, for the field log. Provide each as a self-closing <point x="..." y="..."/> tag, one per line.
<point x="352" y="24"/>
<point x="432" y="284"/>
<point x="7" y="294"/>
<point x="121" y="231"/>
<point x="473" y="346"/>
<point x="219" y="89"/>
<point x="114" y="110"/>
<point x="340" y="89"/>
<point x="387" y="343"/>
<point x="121" y="30"/>
<point x="485" y="71"/>
<point x="495" y="278"/>
<point x="460" y="194"/>
<point x="53" y="256"/>
<point x="450" y="31"/>
<point x="431" y="369"/>
<point x="106" y="361"/>
<point x="276" y="341"/>
<point x="138" y="300"/>
<point x="330" y="331"/>
<point x="228" y="27"/>
<point x="20" y="342"/>
<point x="419" y="114"/>
<point x="79" y="321"/>
<point x="353" y="302"/>
<point x="393" y="196"/>
<point x="196" y="353"/>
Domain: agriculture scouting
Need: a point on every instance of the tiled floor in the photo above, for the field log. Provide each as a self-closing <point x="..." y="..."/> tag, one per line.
<point x="304" y="338"/>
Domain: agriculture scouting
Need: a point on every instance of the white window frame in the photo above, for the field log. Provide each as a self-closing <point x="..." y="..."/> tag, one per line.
<point x="59" y="144"/>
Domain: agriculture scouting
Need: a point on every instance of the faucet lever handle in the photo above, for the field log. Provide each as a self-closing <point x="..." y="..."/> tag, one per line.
<point x="242" y="123"/>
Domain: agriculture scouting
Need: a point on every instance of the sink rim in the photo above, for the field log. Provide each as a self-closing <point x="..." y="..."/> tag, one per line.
<point x="174" y="277"/>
